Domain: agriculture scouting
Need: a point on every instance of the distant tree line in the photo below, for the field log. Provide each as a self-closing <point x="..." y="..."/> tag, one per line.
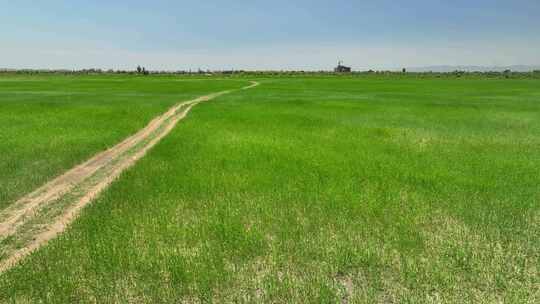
<point x="142" y="70"/>
<point x="229" y="73"/>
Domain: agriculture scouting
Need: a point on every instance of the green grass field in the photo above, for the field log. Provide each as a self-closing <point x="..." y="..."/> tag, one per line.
<point x="321" y="190"/>
<point x="51" y="123"/>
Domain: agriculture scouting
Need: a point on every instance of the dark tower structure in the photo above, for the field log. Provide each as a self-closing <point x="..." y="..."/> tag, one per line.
<point x="341" y="68"/>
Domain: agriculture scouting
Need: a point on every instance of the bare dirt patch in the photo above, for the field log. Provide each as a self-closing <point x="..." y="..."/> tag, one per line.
<point x="81" y="185"/>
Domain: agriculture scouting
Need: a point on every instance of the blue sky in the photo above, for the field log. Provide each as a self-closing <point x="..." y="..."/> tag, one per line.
<point x="277" y="34"/>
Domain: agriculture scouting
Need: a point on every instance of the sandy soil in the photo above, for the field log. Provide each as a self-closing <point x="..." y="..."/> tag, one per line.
<point x="109" y="164"/>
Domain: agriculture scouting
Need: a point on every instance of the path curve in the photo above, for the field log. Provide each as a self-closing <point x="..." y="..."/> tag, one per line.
<point x="109" y="164"/>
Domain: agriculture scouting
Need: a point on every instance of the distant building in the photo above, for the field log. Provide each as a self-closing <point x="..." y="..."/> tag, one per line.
<point x="341" y="68"/>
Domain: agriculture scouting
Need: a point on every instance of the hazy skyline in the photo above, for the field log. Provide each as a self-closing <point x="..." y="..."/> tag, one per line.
<point x="309" y="35"/>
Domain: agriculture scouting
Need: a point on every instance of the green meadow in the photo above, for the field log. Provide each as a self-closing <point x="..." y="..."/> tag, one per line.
<point x="51" y="123"/>
<point x="369" y="189"/>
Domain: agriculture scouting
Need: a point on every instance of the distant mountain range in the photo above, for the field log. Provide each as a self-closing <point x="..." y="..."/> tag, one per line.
<point x="434" y="68"/>
<point x="472" y="68"/>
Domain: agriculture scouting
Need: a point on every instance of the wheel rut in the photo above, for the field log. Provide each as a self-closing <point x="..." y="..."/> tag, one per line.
<point x="46" y="212"/>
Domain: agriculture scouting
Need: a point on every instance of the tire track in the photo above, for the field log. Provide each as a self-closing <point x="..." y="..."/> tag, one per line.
<point x="108" y="165"/>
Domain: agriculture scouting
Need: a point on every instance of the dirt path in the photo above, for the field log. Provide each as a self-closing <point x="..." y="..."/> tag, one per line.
<point x="83" y="183"/>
